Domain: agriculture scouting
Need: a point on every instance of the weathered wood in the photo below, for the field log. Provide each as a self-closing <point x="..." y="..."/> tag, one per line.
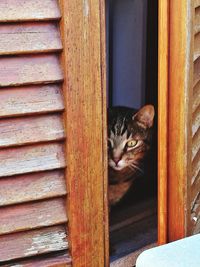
<point x="197" y="20"/>
<point x="196" y="143"/>
<point x="196" y="46"/>
<point x="104" y="79"/>
<point x="195" y="187"/>
<point x="55" y="260"/>
<point x="31" y="159"/>
<point x="179" y="116"/>
<point x="163" y="75"/>
<point x="196" y="98"/>
<point x="20" y="131"/>
<point x="30" y="100"/>
<point x="32" y="215"/>
<point x="195" y="120"/>
<point x="35" y="186"/>
<point x="31" y="243"/>
<point x="85" y="117"/>
<point x="29" y="38"/>
<point x="17" y="10"/>
<point x="196" y="3"/>
<point x="29" y="70"/>
<point x="196" y="71"/>
<point x="196" y="166"/>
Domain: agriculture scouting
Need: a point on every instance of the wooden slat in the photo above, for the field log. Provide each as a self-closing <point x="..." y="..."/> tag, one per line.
<point x="197" y="20"/>
<point x="36" y="242"/>
<point x="29" y="100"/>
<point x="24" y="188"/>
<point x="196" y="143"/>
<point x="195" y="166"/>
<point x="196" y="3"/>
<point x="195" y="187"/>
<point x="29" y="38"/>
<point x="20" y="131"/>
<point x="61" y="259"/>
<point x="196" y="98"/>
<point x="17" y="10"/>
<point x="31" y="159"/>
<point x="197" y="227"/>
<point x="196" y="207"/>
<point x="196" y="71"/>
<point x="196" y="46"/>
<point x="32" y="215"/>
<point x="29" y="70"/>
<point x="195" y="120"/>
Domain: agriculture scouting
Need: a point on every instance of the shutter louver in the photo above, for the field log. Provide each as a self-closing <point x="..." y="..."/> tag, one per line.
<point x="33" y="215"/>
<point x="194" y="190"/>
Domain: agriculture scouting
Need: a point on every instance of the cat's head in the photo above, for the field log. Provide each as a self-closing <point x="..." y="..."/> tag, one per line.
<point x="129" y="138"/>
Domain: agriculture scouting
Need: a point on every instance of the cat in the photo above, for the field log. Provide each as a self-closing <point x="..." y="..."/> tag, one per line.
<point x="129" y="139"/>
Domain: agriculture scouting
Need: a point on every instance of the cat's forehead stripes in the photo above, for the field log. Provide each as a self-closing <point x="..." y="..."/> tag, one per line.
<point x="119" y="126"/>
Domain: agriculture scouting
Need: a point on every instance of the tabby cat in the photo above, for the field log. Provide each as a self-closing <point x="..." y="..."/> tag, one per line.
<point x="129" y="139"/>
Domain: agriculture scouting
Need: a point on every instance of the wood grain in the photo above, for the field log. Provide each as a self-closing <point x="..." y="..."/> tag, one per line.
<point x="196" y="143"/>
<point x="196" y="46"/>
<point x="31" y="243"/>
<point x="104" y="78"/>
<point x="32" y="215"/>
<point x="163" y="74"/>
<point x="196" y="3"/>
<point x="197" y="20"/>
<point x="196" y="166"/>
<point x="196" y="120"/>
<point x="196" y="71"/>
<point x="29" y="70"/>
<point x="196" y="98"/>
<point x="29" y="38"/>
<point x="11" y="10"/>
<point x="84" y="97"/>
<point x="180" y="102"/>
<point x="195" y="187"/>
<point x="20" y="131"/>
<point x="32" y="187"/>
<point x="31" y="159"/>
<point x="56" y="260"/>
<point x="30" y="100"/>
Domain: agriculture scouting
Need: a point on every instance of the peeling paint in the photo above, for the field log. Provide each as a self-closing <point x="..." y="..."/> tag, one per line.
<point x="47" y="242"/>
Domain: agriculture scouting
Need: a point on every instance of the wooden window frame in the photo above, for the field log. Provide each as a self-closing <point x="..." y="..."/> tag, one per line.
<point x="174" y="118"/>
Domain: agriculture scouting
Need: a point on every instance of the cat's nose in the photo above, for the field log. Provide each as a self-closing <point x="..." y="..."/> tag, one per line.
<point x="116" y="160"/>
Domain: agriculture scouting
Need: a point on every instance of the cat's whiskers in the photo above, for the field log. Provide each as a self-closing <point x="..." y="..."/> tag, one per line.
<point x="136" y="167"/>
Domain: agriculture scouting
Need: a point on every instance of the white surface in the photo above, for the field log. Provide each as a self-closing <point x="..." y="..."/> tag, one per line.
<point x="182" y="253"/>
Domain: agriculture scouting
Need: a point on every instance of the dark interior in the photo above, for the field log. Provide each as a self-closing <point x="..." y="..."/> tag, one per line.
<point x="132" y="48"/>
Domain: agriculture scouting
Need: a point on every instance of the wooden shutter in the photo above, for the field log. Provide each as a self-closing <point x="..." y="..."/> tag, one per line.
<point x="179" y="79"/>
<point x="194" y="174"/>
<point x="32" y="138"/>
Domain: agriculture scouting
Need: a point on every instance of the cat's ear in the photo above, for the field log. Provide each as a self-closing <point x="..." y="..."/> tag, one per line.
<point x="145" y="116"/>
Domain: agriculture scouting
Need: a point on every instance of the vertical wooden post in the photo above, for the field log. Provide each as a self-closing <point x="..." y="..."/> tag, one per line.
<point x="178" y="110"/>
<point x="163" y="53"/>
<point x="83" y="34"/>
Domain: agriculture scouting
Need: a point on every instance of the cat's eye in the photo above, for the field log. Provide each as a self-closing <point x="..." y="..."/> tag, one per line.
<point x="131" y="143"/>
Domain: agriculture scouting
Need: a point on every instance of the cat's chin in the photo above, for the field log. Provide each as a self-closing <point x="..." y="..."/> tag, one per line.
<point x="118" y="176"/>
